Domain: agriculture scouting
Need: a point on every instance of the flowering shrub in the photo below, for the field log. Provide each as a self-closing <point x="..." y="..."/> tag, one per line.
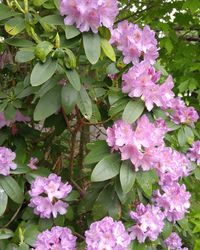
<point x="99" y="147"/>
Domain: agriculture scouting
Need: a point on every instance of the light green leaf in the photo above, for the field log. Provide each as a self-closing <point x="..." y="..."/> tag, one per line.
<point x="6" y="12"/>
<point x="12" y="188"/>
<point x="48" y="104"/>
<point x="107" y="168"/>
<point x="23" y="56"/>
<point x="108" y="49"/>
<point x="14" y="26"/>
<point x="133" y="111"/>
<point x="18" y="42"/>
<point x="127" y="176"/>
<point x="53" y="19"/>
<point x="92" y="46"/>
<point x="42" y="72"/>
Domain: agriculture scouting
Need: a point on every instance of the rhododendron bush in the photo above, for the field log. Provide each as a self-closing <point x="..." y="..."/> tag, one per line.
<point x="99" y="125"/>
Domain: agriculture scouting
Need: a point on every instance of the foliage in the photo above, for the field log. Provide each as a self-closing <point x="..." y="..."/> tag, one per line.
<point x="69" y="84"/>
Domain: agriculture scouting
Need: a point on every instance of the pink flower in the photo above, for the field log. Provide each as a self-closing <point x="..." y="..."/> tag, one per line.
<point x="141" y="81"/>
<point x="194" y="152"/>
<point x="173" y="242"/>
<point x="174" y="201"/>
<point x="32" y="163"/>
<point x="107" y="234"/>
<point x="19" y="117"/>
<point x="182" y="113"/>
<point x="89" y="14"/>
<point x="56" y="238"/>
<point x="47" y="194"/>
<point x="135" y="43"/>
<point x="119" y="134"/>
<point x="6" y="161"/>
<point x="149" y="223"/>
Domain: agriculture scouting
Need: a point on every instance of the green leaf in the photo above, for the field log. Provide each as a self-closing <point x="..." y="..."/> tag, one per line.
<point x="12" y="188"/>
<point x="127" y="176"/>
<point x="118" y="106"/>
<point x="23" y="56"/>
<point x="145" y="180"/>
<point x="107" y="168"/>
<point x="18" y="42"/>
<point x="74" y="79"/>
<point x="30" y="234"/>
<point x="53" y="19"/>
<point x="108" y="49"/>
<point x="133" y="111"/>
<point x="48" y="104"/>
<point x="6" y="234"/>
<point x="3" y="201"/>
<point x="42" y="72"/>
<point x="182" y="137"/>
<point x="71" y="31"/>
<point x="6" y="12"/>
<point x="71" y="61"/>
<point x="84" y="103"/>
<point x="9" y="112"/>
<point x="197" y="173"/>
<point x="69" y="97"/>
<point x="167" y="229"/>
<point x="14" y="26"/>
<point x="189" y="134"/>
<point x="42" y="50"/>
<point x="98" y="151"/>
<point x="92" y="46"/>
<point x="23" y="246"/>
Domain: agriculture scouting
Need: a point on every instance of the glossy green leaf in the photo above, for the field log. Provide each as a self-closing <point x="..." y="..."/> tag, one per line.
<point x="23" y="56"/>
<point x="92" y="46"/>
<point x="69" y="98"/>
<point x="6" y="12"/>
<point x="48" y="104"/>
<point x="74" y="79"/>
<point x="12" y="188"/>
<point x="19" y="42"/>
<point x="3" y="201"/>
<point x="53" y="19"/>
<point x="108" y="49"/>
<point x="107" y="168"/>
<point x="42" y="72"/>
<point x="127" y="176"/>
<point x="133" y="111"/>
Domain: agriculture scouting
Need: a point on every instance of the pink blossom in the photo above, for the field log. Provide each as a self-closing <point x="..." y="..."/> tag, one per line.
<point x="135" y="43"/>
<point x="182" y="113"/>
<point x="173" y="242"/>
<point x="56" y="238"/>
<point x="19" y="117"/>
<point x="149" y="223"/>
<point x="89" y="14"/>
<point x="32" y="163"/>
<point x="107" y="234"/>
<point x="47" y="194"/>
<point x="6" y="161"/>
<point x="194" y="152"/>
<point x="141" y="81"/>
<point x="174" y="200"/>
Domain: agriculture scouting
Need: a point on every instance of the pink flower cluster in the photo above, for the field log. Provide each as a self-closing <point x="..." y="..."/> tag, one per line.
<point x="135" y="43"/>
<point x="56" y="238"/>
<point x="173" y="242"/>
<point x="19" y="117"/>
<point x="194" y="152"/>
<point x="149" y="223"/>
<point x="47" y="194"/>
<point x="174" y="200"/>
<point x="140" y="81"/>
<point x="89" y="14"/>
<point x="6" y="161"/>
<point x="181" y="112"/>
<point x="33" y="163"/>
<point x="107" y="234"/>
<point x="137" y="146"/>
